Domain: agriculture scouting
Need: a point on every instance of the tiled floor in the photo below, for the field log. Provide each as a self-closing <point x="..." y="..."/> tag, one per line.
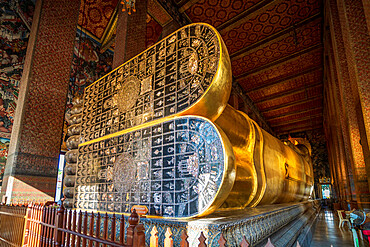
<point x="327" y="232"/>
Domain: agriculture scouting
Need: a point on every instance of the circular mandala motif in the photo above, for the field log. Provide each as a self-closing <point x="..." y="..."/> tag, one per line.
<point x="198" y="11"/>
<point x="124" y="170"/>
<point x="221" y="14"/>
<point x="128" y="94"/>
<point x="95" y="15"/>
<point x="237" y="5"/>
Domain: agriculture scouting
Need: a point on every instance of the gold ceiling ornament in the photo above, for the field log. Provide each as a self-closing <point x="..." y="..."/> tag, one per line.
<point x="128" y="5"/>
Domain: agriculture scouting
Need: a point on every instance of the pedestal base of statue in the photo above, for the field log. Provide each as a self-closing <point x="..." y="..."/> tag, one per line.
<point x="284" y="224"/>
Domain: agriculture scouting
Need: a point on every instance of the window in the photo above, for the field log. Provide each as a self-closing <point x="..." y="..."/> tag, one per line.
<point x="325" y="189"/>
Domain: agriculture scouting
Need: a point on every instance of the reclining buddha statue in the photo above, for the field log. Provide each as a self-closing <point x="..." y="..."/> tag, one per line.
<point x="158" y="132"/>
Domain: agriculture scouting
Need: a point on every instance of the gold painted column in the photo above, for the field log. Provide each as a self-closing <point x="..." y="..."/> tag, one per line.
<point x="131" y="33"/>
<point x="356" y="36"/>
<point x="336" y="150"/>
<point x="345" y="63"/>
<point x="338" y="124"/>
<point x="31" y="169"/>
<point x="354" y="19"/>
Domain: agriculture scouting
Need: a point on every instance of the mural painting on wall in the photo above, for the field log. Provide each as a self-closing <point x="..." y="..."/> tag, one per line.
<point x="88" y="65"/>
<point x="319" y="157"/>
<point x="15" y="22"/>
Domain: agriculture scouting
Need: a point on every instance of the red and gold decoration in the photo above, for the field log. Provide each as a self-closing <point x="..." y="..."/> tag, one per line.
<point x="128" y="5"/>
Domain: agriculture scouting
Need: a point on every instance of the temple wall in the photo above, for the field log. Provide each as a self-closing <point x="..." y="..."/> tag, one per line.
<point x="346" y="99"/>
<point x="13" y="39"/>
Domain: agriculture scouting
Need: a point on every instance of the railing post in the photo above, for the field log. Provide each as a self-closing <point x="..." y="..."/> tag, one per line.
<point x="222" y="240"/>
<point x="122" y="230"/>
<point x="58" y="225"/>
<point x="79" y="226"/>
<point x="133" y="220"/>
<point x="184" y="239"/>
<point x="26" y="226"/>
<point x="105" y="228"/>
<point x="154" y="237"/>
<point x="202" y="240"/>
<point x="139" y="236"/>
<point x="244" y="242"/>
<point x="168" y="241"/>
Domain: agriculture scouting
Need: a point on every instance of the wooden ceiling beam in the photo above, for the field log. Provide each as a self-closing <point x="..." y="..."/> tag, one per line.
<point x="299" y="129"/>
<point x="238" y="19"/>
<point x="281" y="60"/>
<point x="279" y="107"/>
<point x="173" y="10"/>
<point x="289" y="92"/>
<point x="294" y="113"/>
<point x="185" y="5"/>
<point x="243" y="51"/>
<point x="183" y="2"/>
<point x="289" y="122"/>
<point x="285" y="79"/>
<point x="302" y="124"/>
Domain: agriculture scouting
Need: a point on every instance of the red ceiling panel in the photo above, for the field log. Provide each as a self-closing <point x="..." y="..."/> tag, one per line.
<point x="299" y="129"/>
<point x="282" y="70"/>
<point x="300" y="124"/>
<point x="305" y="37"/>
<point x="293" y="117"/>
<point x="304" y="94"/>
<point x="216" y="12"/>
<point x="303" y="120"/>
<point x="318" y="129"/>
<point x="286" y="86"/>
<point x="95" y="15"/>
<point x="267" y="21"/>
<point x="307" y="104"/>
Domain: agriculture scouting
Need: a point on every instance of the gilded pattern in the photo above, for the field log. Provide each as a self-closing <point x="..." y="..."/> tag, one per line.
<point x="164" y="80"/>
<point x="134" y="150"/>
<point x="174" y="169"/>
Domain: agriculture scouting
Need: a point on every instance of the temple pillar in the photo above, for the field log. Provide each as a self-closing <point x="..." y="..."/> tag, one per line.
<point x="338" y="120"/>
<point x="31" y="169"/>
<point x="356" y="35"/>
<point x="131" y="32"/>
<point x="336" y="151"/>
<point x="337" y="177"/>
<point x="354" y="20"/>
<point x="353" y="86"/>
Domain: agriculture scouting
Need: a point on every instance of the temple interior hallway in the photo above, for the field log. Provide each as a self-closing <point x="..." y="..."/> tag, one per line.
<point x="327" y="232"/>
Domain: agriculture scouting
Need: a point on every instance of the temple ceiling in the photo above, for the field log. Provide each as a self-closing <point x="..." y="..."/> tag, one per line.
<point x="275" y="47"/>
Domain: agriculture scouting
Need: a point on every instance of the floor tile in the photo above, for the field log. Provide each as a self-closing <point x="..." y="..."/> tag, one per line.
<point x="327" y="232"/>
